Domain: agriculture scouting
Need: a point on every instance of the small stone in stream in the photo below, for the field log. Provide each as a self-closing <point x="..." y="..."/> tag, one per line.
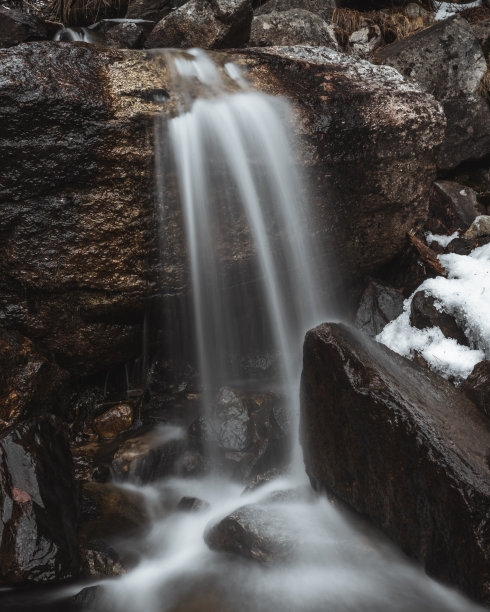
<point x="255" y="532"/>
<point x="90" y="599"/>
<point x="114" y="421"/>
<point x="477" y="386"/>
<point x="100" y="563"/>
<point x="17" y="27"/>
<point x="379" y="305"/>
<point x="129" y="34"/>
<point x="427" y="311"/>
<point x="192" y="504"/>
<point x="149" y="456"/>
<point x="479" y="227"/>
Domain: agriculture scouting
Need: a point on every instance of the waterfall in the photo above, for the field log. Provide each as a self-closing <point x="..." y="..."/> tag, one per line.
<point x="256" y="289"/>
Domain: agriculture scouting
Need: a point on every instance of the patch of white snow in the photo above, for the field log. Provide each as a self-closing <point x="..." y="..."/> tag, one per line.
<point x="465" y="294"/>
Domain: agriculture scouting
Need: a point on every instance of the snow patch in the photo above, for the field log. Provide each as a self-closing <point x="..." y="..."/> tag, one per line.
<point x="444" y="10"/>
<point x="465" y="294"/>
<point x="441" y="239"/>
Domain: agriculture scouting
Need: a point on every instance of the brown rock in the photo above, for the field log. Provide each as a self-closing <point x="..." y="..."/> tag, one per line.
<point x="401" y="446"/>
<point x="149" y="456"/>
<point x="29" y="381"/>
<point x="114" y="421"/>
<point x="454" y="205"/>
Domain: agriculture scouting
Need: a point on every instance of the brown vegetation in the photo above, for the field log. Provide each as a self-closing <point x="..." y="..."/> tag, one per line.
<point x="84" y="12"/>
<point x="393" y="25"/>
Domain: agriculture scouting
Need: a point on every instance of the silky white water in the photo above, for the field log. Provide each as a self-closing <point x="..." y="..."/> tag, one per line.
<point x="256" y="288"/>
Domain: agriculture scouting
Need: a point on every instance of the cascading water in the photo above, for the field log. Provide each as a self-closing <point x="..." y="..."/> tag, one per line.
<point x="255" y="288"/>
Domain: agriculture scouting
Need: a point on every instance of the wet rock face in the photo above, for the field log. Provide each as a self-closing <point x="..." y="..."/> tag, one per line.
<point x="292" y="27"/>
<point x="401" y="446"/>
<point x="447" y="60"/>
<point x="477" y="386"/>
<point x="254" y="532"/>
<point x="216" y="24"/>
<point x="17" y="27"/>
<point x="29" y="381"/>
<point x="76" y="214"/>
<point x="246" y="434"/>
<point x="38" y="505"/>
<point x="79" y="255"/>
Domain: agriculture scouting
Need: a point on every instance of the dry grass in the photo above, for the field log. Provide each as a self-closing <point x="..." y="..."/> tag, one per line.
<point x="476" y="14"/>
<point x="484" y="86"/>
<point x="393" y="25"/>
<point x="85" y="12"/>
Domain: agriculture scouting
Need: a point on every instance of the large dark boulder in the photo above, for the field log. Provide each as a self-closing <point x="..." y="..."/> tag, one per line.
<point x="292" y="27"/>
<point x="401" y="446"/>
<point x="17" y="27"/>
<point x="38" y="504"/>
<point x="447" y="61"/>
<point x="80" y="262"/>
<point x="210" y="24"/>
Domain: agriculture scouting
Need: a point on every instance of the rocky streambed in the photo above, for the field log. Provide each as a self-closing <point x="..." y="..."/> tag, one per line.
<point x="99" y="385"/>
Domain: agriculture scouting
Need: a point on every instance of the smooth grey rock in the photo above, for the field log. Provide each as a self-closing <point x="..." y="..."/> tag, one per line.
<point x="293" y="27"/>
<point x="379" y="305"/>
<point x="448" y="62"/>
<point x="477" y="386"/>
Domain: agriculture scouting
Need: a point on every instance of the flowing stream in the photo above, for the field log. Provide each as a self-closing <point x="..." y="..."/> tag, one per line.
<point x="256" y="290"/>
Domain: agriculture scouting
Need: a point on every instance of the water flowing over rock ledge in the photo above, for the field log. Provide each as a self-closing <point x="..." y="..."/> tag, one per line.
<point x="403" y="447"/>
<point x="79" y="251"/>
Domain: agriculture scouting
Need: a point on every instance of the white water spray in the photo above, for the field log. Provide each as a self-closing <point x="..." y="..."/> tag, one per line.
<point x="243" y="199"/>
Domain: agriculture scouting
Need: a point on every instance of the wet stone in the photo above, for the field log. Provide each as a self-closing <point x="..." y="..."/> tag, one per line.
<point x="114" y="421"/>
<point x="258" y="533"/>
